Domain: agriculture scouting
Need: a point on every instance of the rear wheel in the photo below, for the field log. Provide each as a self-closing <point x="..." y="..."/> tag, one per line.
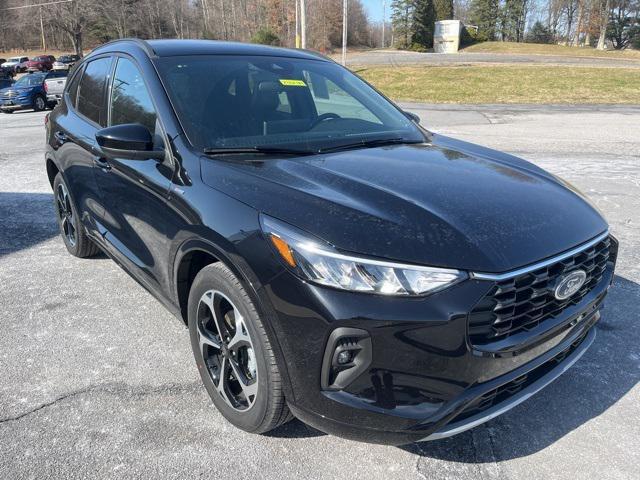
<point x="75" y="239"/>
<point x="233" y="354"/>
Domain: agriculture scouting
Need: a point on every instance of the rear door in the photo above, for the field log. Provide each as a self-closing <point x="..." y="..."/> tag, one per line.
<point x="73" y="135"/>
<point x="137" y="221"/>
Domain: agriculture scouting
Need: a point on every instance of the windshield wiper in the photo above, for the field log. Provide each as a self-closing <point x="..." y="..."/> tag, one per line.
<point x="265" y="150"/>
<point x="379" y="142"/>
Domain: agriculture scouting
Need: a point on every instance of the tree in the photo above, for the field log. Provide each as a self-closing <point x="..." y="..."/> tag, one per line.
<point x="424" y="19"/>
<point x="624" y="23"/>
<point x="265" y="36"/>
<point x="443" y="9"/>
<point x="514" y="18"/>
<point x="539" y="33"/>
<point x="402" y="20"/>
<point x="484" y="14"/>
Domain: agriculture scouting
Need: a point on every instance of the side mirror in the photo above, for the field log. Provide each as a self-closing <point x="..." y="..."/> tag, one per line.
<point x="131" y="141"/>
<point x="412" y="116"/>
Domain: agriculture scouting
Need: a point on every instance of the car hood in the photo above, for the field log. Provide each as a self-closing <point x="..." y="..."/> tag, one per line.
<point x="448" y="203"/>
<point x="18" y="90"/>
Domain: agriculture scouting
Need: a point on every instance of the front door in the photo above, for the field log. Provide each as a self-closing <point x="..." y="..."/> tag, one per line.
<point x="136" y="220"/>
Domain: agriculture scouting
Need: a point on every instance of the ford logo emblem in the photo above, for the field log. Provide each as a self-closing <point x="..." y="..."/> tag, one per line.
<point x="569" y="284"/>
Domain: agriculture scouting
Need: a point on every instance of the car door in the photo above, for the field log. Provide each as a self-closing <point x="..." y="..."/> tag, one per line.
<point x="74" y="128"/>
<point x="134" y="192"/>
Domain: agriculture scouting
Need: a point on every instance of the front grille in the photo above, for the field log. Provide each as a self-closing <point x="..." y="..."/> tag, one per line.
<point x="504" y="392"/>
<point x="525" y="301"/>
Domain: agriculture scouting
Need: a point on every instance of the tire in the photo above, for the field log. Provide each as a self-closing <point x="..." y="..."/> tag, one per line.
<point x="73" y="234"/>
<point x="7" y="111"/>
<point x="39" y="103"/>
<point x="267" y="408"/>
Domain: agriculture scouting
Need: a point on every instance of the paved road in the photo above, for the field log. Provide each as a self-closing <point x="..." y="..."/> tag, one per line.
<point x="397" y="57"/>
<point x="97" y="379"/>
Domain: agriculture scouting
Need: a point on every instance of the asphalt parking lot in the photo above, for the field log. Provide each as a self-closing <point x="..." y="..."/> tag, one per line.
<point x="98" y="380"/>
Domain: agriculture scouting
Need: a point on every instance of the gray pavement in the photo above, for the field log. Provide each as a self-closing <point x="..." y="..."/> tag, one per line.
<point x="98" y="380"/>
<point x="400" y="57"/>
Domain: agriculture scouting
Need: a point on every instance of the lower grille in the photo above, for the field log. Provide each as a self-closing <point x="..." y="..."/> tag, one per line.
<point x="503" y="392"/>
<point x="525" y="301"/>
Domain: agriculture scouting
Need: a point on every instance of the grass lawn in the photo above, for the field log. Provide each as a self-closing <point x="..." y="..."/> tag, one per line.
<point x="506" y="84"/>
<point x="543" y="49"/>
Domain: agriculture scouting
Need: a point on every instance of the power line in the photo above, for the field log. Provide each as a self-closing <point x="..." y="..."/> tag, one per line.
<point x="37" y="5"/>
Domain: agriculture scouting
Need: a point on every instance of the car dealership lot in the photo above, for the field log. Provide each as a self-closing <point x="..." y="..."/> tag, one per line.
<point x="99" y="380"/>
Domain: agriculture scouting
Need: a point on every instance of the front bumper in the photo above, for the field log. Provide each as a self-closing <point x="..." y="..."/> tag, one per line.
<point x="425" y="379"/>
<point x="15" y="103"/>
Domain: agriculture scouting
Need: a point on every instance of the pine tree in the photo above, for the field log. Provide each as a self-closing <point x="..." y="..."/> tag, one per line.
<point x="402" y="16"/>
<point x="444" y="9"/>
<point x="424" y="18"/>
<point x="484" y="14"/>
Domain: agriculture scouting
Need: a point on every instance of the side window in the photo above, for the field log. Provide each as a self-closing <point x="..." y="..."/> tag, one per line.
<point x="72" y="89"/>
<point x="130" y="99"/>
<point x="91" y="95"/>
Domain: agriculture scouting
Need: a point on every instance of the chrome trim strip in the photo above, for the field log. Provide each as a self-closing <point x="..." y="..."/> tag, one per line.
<point x="514" y="273"/>
<point x="517" y="399"/>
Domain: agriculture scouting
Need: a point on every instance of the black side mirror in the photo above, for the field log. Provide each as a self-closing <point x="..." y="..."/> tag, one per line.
<point x="131" y="141"/>
<point x="412" y="116"/>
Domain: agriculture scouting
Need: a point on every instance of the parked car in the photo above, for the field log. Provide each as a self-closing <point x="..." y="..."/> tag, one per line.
<point x="17" y="64"/>
<point x="27" y="93"/>
<point x="330" y="257"/>
<point x="6" y="79"/>
<point x="41" y="63"/>
<point x="65" y="62"/>
<point x="54" y="86"/>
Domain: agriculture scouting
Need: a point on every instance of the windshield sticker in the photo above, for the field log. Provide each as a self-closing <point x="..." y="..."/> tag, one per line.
<point x="292" y="83"/>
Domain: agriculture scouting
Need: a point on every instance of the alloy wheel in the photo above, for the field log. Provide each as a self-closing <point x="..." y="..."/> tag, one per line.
<point x="65" y="214"/>
<point x="40" y="105"/>
<point x="227" y="350"/>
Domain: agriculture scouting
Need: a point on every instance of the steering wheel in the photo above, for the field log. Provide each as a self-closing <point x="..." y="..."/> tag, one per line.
<point x="323" y="118"/>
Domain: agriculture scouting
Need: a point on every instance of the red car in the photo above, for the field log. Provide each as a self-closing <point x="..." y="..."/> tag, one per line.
<point x="41" y="63"/>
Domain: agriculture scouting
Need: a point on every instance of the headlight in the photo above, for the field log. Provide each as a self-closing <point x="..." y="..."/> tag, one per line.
<point x="318" y="262"/>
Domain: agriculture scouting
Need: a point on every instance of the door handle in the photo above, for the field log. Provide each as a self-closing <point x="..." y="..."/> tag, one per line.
<point x="101" y="162"/>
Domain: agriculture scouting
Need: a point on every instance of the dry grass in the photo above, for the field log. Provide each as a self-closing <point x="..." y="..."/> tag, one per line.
<point x="543" y="49"/>
<point x="507" y="84"/>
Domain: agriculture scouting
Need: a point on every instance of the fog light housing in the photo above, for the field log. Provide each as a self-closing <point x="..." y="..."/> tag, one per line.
<point x="347" y="355"/>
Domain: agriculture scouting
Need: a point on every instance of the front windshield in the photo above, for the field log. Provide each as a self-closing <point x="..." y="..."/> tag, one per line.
<point x="14" y="60"/>
<point x="248" y="102"/>
<point x="31" y="80"/>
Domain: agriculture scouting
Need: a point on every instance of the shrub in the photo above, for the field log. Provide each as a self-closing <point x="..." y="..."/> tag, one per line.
<point x="265" y="36"/>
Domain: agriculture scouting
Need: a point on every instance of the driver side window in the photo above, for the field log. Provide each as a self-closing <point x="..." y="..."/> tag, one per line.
<point x="130" y="99"/>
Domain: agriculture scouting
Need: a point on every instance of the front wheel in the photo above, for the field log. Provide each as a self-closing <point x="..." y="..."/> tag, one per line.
<point x="233" y="354"/>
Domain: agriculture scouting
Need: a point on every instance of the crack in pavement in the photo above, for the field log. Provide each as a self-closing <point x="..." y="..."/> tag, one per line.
<point x="113" y="389"/>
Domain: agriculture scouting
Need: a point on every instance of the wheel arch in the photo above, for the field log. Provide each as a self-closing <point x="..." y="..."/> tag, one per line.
<point x="195" y="254"/>
<point x="52" y="170"/>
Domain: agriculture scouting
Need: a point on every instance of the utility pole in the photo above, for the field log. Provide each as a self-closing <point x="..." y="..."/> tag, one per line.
<point x="44" y="41"/>
<point x="344" y="32"/>
<point x="384" y="5"/>
<point x="303" y="23"/>
<point x="297" y="26"/>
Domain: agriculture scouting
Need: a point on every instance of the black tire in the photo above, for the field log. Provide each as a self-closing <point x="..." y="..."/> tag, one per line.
<point x="39" y="103"/>
<point x="78" y="244"/>
<point x="269" y="409"/>
<point x="7" y="111"/>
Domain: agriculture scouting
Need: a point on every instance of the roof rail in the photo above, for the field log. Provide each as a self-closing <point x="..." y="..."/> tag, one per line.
<point x="141" y="43"/>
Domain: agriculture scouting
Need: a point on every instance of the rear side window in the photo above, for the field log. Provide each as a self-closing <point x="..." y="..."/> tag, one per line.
<point x="91" y="94"/>
<point x="72" y="89"/>
<point x="130" y="99"/>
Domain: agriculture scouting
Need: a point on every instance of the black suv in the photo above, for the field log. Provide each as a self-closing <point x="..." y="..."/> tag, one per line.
<point x="330" y="257"/>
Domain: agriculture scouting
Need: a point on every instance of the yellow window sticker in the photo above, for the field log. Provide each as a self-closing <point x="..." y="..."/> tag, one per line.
<point x="292" y="83"/>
